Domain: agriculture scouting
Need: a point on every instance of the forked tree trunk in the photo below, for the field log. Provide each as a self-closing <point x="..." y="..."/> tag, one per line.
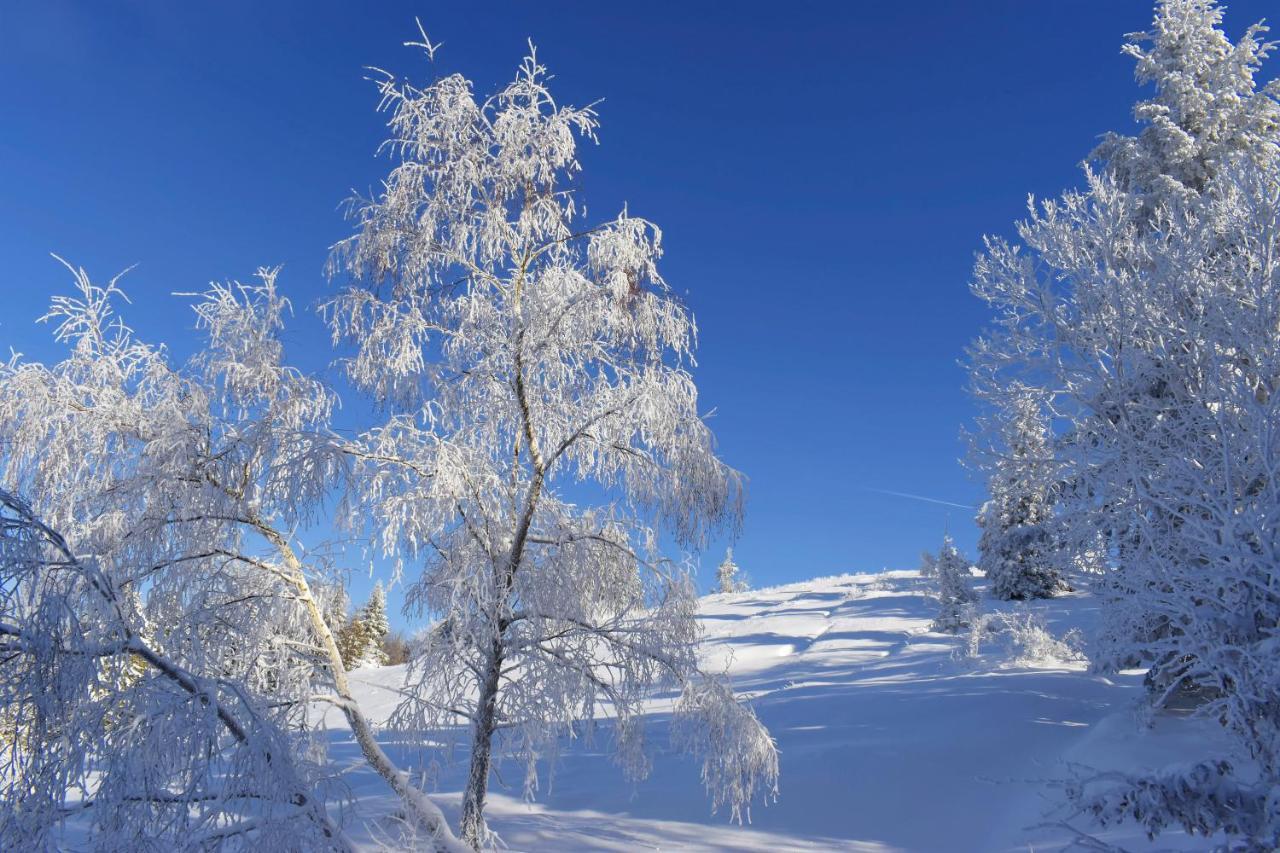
<point x="473" y="828"/>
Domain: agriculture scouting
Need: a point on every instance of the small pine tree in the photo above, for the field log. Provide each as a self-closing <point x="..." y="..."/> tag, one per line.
<point x="334" y="604"/>
<point x="351" y="639"/>
<point x="376" y="626"/>
<point x="369" y="630"/>
<point x="729" y="576"/>
<point x="1017" y="548"/>
<point x="956" y="598"/>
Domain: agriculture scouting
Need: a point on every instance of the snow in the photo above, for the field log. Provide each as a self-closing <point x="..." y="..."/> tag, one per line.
<point x="890" y="738"/>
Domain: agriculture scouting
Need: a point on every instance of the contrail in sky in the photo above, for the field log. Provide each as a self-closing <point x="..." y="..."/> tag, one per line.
<point x="918" y="498"/>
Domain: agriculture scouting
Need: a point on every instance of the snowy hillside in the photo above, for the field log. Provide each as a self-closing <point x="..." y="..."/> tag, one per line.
<point x="891" y="738"/>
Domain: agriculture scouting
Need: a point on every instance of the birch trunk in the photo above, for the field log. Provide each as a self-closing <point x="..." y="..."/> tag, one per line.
<point x="421" y="810"/>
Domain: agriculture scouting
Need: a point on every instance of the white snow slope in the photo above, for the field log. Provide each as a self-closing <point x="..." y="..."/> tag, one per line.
<point x="890" y="738"/>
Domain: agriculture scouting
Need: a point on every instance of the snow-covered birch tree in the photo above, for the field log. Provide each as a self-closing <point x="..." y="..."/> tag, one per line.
<point x="157" y="755"/>
<point x="542" y="433"/>
<point x="1144" y="311"/>
<point x="173" y="492"/>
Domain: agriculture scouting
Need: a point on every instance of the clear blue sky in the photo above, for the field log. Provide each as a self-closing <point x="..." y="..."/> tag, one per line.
<point x="823" y="174"/>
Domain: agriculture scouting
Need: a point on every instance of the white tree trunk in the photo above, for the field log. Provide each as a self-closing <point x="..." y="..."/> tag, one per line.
<point x="472" y="825"/>
<point x="421" y="810"/>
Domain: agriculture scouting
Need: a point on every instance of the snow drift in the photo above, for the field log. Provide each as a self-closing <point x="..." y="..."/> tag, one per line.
<point x="892" y="737"/>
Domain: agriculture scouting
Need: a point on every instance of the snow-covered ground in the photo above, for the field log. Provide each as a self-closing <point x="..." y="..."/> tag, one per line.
<point x="890" y="738"/>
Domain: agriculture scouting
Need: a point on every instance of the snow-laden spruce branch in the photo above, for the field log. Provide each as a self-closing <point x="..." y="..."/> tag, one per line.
<point x="542" y="429"/>
<point x="180" y="487"/>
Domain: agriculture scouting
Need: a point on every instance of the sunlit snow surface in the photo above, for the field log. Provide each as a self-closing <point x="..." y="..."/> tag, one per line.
<point x="890" y="740"/>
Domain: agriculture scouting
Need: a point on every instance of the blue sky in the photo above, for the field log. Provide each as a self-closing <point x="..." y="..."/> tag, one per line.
<point x="823" y="174"/>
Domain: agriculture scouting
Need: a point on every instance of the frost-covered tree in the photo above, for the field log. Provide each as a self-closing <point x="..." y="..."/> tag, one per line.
<point x="374" y="628"/>
<point x="352" y="641"/>
<point x="729" y="577"/>
<point x="173" y="491"/>
<point x="1017" y="549"/>
<point x="1207" y="110"/>
<point x="543" y="428"/>
<point x="954" y="587"/>
<point x="334" y="603"/>
<point x="1144" y="311"/>
<point x="162" y="757"/>
<point x="1204" y="799"/>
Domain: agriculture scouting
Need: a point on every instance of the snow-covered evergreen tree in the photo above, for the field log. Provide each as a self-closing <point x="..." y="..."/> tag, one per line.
<point x="352" y="641"/>
<point x="1017" y="550"/>
<point x="729" y="577"/>
<point x="333" y="601"/>
<point x="521" y="351"/>
<point x="373" y="629"/>
<point x="954" y="588"/>
<point x="1144" y="310"/>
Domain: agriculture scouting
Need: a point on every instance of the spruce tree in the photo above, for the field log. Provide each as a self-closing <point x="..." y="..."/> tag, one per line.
<point x="954" y="588"/>
<point x="375" y="628"/>
<point x="1143" y="310"/>
<point x="351" y="639"/>
<point x="729" y="576"/>
<point x="1017" y="550"/>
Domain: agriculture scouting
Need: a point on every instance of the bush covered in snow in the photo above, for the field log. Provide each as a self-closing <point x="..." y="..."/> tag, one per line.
<point x="1025" y="635"/>
<point x="1203" y="799"/>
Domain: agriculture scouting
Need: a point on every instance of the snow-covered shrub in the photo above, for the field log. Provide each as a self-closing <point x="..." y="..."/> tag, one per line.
<point x="1031" y="642"/>
<point x="982" y="627"/>
<point x="1203" y="799"/>
<point x="953" y="586"/>
<point x="1026" y="636"/>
